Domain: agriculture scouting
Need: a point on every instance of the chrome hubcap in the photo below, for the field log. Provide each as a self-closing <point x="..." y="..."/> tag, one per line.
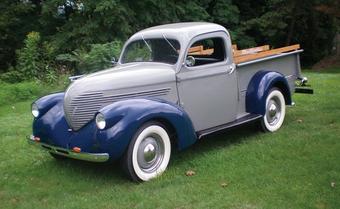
<point x="273" y="112"/>
<point x="150" y="153"/>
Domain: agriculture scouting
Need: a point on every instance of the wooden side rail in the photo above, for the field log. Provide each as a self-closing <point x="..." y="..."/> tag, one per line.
<point x="245" y="55"/>
<point x="263" y="54"/>
<point x="250" y="50"/>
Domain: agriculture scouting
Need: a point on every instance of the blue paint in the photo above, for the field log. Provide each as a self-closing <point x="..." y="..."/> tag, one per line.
<point x="47" y="102"/>
<point x="258" y="89"/>
<point x="123" y="120"/>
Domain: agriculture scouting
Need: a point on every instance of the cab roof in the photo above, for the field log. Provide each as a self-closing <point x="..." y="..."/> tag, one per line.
<point x="180" y="31"/>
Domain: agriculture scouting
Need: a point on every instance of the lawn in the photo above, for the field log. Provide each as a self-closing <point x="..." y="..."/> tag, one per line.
<point x="296" y="167"/>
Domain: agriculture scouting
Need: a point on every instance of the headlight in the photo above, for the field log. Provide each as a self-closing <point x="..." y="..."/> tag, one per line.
<point x="100" y="121"/>
<point x="35" y="110"/>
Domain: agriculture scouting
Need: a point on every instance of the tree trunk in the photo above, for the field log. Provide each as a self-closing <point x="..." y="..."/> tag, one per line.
<point x="337" y="41"/>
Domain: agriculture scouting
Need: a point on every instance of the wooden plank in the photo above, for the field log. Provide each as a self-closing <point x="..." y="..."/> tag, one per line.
<point x="249" y="57"/>
<point x="234" y="47"/>
<point x="196" y="49"/>
<point x="203" y="52"/>
<point x="251" y="50"/>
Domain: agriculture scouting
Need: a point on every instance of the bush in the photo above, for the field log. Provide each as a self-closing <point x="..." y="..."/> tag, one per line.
<point x="12" y="76"/>
<point x="98" y="58"/>
<point x="29" y="57"/>
<point x="29" y="90"/>
<point x="35" y="62"/>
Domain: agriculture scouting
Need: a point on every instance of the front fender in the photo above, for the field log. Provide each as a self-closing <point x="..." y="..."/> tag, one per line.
<point x="125" y="117"/>
<point x="258" y="89"/>
<point x="45" y="103"/>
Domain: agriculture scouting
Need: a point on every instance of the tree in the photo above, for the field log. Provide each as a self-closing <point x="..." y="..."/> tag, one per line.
<point x="17" y="18"/>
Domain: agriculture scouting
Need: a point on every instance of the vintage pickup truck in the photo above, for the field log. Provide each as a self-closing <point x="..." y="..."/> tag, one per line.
<point x="172" y="85"/>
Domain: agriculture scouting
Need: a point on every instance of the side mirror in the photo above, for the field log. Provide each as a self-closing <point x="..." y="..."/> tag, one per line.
<point x="190" y="61"/>
<point x="113" y="61"/>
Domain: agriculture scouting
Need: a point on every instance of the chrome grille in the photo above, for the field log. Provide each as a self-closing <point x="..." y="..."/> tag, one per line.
<point x="82" y="108"/>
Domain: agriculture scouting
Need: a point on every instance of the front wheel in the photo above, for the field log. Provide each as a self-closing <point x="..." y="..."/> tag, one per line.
<point x="149" y="152"/>
<point x="275" y="111"/>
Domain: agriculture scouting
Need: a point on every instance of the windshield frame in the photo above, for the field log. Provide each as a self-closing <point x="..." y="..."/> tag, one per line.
<point x="144" y="39"/>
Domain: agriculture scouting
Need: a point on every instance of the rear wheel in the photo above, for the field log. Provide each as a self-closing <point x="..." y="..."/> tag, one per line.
<point x="275" y="111"/>
<point x="149" y="152"/>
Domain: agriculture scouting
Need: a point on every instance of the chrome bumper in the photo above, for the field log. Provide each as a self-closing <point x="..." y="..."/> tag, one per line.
<point x="92" y="157"/>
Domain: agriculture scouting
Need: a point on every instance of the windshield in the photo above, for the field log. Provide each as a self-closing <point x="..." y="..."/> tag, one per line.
<point x="152" y="50"/>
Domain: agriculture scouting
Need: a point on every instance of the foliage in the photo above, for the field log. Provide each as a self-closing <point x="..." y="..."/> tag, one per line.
<point x="11" y="93"/>
<point x="72" y="27"/>
<point x="11" y="76"/>
<point x="99" y="57"/>
<point x="296" y="167"/>
<point x="35" y="61"/>
<point x="17" y="18"/>
<point x="285" y="22"/>
<point x="29" y="58"/>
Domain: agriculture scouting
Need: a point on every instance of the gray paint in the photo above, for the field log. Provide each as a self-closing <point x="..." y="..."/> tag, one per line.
<point x="88" y="94"/>
<point x="286" y="64"/>
<point x="208" y="93"/>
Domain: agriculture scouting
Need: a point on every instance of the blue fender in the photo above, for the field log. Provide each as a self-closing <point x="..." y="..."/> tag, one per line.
<point x="123" y="120"/>
<point x="258" y="89"/>
<point x="126" y="116"/>
<point x="45" y="103"/>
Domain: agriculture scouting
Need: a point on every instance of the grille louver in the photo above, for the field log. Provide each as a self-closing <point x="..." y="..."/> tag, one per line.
<point x="82" y="108"/>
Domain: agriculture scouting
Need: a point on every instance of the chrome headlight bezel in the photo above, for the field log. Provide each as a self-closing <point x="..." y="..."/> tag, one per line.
<point x="100" y="121"/>
<point x="35" y="110"/>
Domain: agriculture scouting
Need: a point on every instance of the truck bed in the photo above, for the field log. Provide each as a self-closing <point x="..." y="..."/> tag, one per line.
<point x="286" y="63"/>
<point x="249" y="61"/>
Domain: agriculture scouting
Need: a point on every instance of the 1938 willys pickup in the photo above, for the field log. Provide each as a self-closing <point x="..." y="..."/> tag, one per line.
<point x="172" y="85"/>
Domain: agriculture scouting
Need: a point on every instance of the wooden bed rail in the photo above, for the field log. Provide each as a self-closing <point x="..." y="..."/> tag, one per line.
<point x="262" y="54"/>
<point x="245" y="55"/>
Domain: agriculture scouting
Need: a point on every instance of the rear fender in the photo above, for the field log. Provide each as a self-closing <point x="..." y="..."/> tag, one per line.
<point x="258" y="89"/>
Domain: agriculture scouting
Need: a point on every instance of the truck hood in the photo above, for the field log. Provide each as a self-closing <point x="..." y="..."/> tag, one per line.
<point x="87" y="95"/>
<point x="123" y="76"/>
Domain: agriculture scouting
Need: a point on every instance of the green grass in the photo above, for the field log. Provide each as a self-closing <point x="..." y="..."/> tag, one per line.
<point x="292" y="168"/>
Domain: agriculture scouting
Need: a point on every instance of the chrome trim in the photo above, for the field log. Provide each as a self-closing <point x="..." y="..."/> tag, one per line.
<point x="76" y="77"/>
<point x="91" y="157"/>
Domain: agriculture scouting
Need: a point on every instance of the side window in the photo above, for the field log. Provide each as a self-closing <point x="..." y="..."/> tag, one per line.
<point x="207" y="51"/>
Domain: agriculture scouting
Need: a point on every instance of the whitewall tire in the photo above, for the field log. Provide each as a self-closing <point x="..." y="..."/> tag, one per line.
<point x="275" y="111"/>
<point x="149" y="152"/>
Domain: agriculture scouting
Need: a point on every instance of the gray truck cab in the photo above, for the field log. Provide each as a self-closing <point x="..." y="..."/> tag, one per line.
<point x="198" y="77"/>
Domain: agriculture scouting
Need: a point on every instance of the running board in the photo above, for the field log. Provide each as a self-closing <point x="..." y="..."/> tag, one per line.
<point x="304" y="90"/>
<point x="245" y="119"/>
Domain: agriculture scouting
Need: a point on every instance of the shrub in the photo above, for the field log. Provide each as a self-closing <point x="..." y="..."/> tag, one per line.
<point x="97" y="58"/>
<point x="29" y="57"/>
<point x="12" y="76"/>
<point x="28" y="90"/>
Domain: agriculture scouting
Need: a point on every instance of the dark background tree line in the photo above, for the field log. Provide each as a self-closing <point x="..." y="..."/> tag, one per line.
<point x="41" y="38"/>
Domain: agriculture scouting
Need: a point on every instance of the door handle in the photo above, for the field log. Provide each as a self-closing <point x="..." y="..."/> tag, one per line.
<point x="231" y="68"/>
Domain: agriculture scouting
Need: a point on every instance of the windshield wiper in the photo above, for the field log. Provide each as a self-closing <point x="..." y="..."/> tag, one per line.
<point x="147" y="44"/>
<point x="170" y="44"/>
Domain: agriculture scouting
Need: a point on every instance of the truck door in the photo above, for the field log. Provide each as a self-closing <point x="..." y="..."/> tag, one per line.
<point x="207" y="83"/>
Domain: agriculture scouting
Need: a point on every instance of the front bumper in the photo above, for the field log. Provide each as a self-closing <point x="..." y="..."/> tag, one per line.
<point x="92" y="157"/>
